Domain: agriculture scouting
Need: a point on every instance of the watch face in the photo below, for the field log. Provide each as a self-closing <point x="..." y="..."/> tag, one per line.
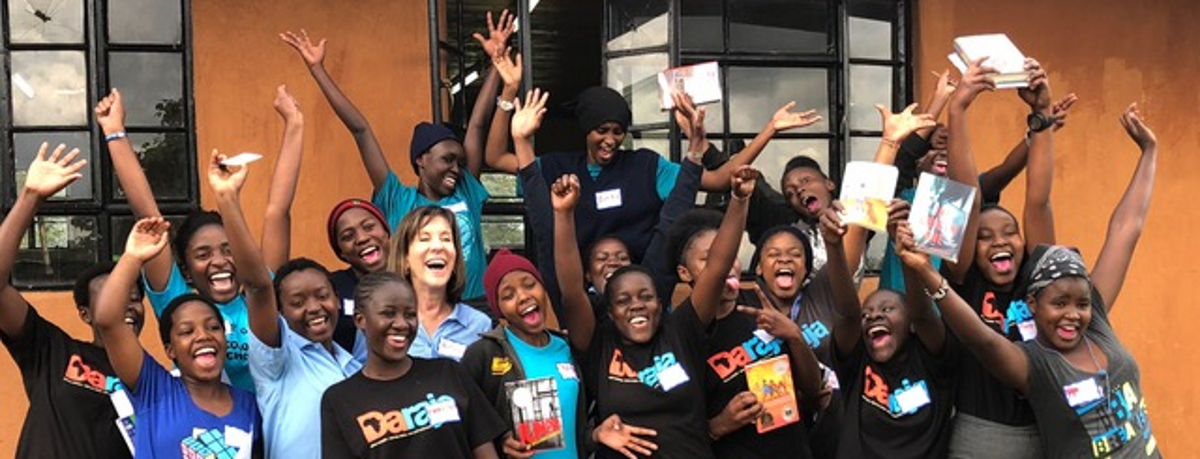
<point x="1036" y="122"/>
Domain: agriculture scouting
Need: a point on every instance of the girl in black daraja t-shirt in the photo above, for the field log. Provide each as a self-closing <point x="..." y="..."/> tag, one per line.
<point x="644" y="367"/>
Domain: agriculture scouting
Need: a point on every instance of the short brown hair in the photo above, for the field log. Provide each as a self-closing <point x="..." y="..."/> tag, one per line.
<point x="406" y="232"/>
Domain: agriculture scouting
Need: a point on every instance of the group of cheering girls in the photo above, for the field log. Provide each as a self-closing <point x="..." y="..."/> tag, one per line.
<point x="1007" y="352"/>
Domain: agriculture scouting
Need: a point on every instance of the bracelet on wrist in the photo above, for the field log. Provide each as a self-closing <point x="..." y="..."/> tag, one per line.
<point x="889" y="142"/>
<point x="115" y="136"/>
<point x="941" y="292"/>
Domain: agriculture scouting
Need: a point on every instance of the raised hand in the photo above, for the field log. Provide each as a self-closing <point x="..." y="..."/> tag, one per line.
<point x="564" y="193"/>
<point x="528" y="116"/>
<point x="830" y="220"/>
<point x="498" y="33"/>
<point x="1037" y="95"/>
<point x="47" y="176"/>
<point x="975" y="80"/>
<point x="624" y="438"/>
<point x="773" y="322"/>
<point x="313" y="55"/>
<point x="897" y="126"/>
<point x="742" y="182"/>
<point x="225" y="180"/>
<point x="692" y="124"/>
<point x="742" y="409"/>
<point x="906" y="248"/>
<point x="147" y="238"/>
<point x="945" y="85"/>
<point x="509" y="69"/>
<point x="784" y="119"/>
<point x="110" y="113"/>
<point x="286" y="105"/>
<point x="898" y="211"/>
<point x="1061" y="109"/>
<point x="1131" y="120"/>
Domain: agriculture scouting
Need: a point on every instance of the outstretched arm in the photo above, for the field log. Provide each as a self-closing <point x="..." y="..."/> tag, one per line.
<point x="364" y="137"/>
<point x="847" y="331"/>
<point x="706" y="295"/>
<point x="147" y="238"/>
<point x="961" y="161"/>
<point x="226" y="183"/>
<point x="277" y="223"/>
<point x="1125" y="226"/>
<point x="110" y="115"/>
<point x="937" y="102"/>
<point x="497" y="154"/>
<point x="1039" y="178"/>
<point x="718" y="180"/>
<point x="581" y="321"/>
<point x="993" y="181"/>
<point x="925" y="321"/>
<point x="45" y="177"/>
<point x="475" y="142"/>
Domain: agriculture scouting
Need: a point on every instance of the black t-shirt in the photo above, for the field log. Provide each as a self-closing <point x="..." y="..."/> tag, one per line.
<point x="1005" y="312"/>
<point x="657" y="385"/>
<point x="898" y="409"/>
<point x="434" y="410"/>
<point x="344" y="282"/>
<point x="1082" y="414"/>
<point x="68" y="383"/>
<point x="732" y="345"/>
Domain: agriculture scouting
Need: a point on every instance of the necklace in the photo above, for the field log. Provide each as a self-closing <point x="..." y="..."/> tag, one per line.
<point x="1101" y="371"/>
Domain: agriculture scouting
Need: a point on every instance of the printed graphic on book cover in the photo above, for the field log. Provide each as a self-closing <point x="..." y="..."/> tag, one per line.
<point x="701" y="81"/>
<point x="939" y="215"/>
<point x="867" y="188"/>
<point x="536" y="416"/>
<point x="771" y="381"/>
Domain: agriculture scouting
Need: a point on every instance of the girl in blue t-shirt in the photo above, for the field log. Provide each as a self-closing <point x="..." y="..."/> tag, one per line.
<point x="194" y="413"/>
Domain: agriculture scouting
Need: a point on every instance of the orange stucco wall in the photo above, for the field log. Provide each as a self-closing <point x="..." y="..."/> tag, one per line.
<point x="377" y="52"/>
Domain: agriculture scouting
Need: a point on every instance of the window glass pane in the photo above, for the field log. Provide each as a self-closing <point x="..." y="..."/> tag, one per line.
<point x="777" y="153"/>
<point x="503" y="231"/>
<point x="502" y="187"/>
<point x="151" y="85"/>
<point x="25" y="148"/>
<point x="49" y="88"/>
<point x="637" y="24"/>
<point x="164" y="157"/>
<point x="636" y="77"/>
<point x="870" y="38"/>
<point x="120" y="225"/>
<point x="755" y="93"/>
<point x="800" y="26"/>
<point x="869" y="85"/>
<point x="863" y="148"/>
<point x="144" y="21"/>
<point x="45" y="21"/>
<point x="658" y="141"/>
<point x="701" y="28"/>
<point x="55" y="250"/>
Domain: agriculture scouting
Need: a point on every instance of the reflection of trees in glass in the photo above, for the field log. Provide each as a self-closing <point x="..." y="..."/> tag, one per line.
<point x="503" y="231"/>
<point x="60" y="245"/>
<point x="163" y="155"/>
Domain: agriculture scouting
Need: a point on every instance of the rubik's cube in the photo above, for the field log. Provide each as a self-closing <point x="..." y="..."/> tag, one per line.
<point x="208" y="445"/>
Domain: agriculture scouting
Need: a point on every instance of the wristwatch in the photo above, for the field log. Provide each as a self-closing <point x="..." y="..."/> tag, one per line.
<point x="1038" y="122"/>
<point x="505" y="105"/>
<point x="940" y="292"/>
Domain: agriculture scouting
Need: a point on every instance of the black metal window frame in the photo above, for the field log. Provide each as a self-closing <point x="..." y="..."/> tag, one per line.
<point x="104" y="205"/>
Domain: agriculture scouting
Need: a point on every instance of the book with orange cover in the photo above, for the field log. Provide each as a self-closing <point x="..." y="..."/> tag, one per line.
<point x="771" y="381"/>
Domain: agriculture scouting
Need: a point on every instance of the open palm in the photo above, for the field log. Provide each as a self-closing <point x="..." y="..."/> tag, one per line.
<point x="313" y="54"/>
<point x="147" y="238"/>
<point x="897" y="126"/>
<point x="47" y="176"/>
<point x="784" y="119"/>
<point x="528" y="118"/>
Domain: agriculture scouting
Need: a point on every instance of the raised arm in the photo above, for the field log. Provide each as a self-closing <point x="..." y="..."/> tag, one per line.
<point x="226" y="183"/>
<point x="1039" y="176"/>
<point x="1125" y="225"/>
<point x="147" y="238"/>
<point x="706" y="294"/>
<point x="475" y="140"/>
<point x="847" y="331"/>
<point x="568" y="266"/>
<point x="277" y="223"/>
<point x="45" y="177"/>
<point x="1003" y="358"/>
<point x="806" y="370"/>
<point x="110" y="115"/>
<point x="497" y="154"/>
<point x="364" y="137"/>
<point x="961" y="161"/>
<point x="925" y="321"/>
<point x="718" y="180"/>
<point x="937" y="102"/>
<point x="526" y="121"/>
<point x="993" y="181"/>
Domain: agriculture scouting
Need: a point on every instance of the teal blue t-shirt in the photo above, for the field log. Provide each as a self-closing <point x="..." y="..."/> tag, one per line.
<point x="396" y="200"/>
<point x="553" y="360"/>
<point x="664" y="177"/>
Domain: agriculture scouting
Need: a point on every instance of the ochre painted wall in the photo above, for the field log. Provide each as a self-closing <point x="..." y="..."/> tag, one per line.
<point x="377" y="52"/>
<point x="1110" y="53"/>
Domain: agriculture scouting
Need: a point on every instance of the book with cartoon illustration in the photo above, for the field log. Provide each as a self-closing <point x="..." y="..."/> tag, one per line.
<point x="939" y="215"/>
<point x="771" y="381"/>
<point x="701" y="81"/>
<point x="1001" y="54"/>
<point x="867" y="188"/>
<point x="536" y="414"/>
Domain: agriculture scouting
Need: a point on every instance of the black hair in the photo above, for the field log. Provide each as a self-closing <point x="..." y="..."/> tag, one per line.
<point x="627" y="269"/>
<point x="371" y="282"/>
<point x="990" y="206"/>
<point x="607" y="237"/>
<point x="794" y="231"/>
<point x="691" y="224"/>
<point x="293" y="266"/>
<point x="82" y="291"/>
<point x="803" y="162"/>
<point x="166" y="320"/>
<point x="189" y="227"/>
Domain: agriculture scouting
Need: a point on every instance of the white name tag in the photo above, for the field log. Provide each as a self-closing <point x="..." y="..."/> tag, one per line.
<point x="120" y="401"/>
<point x="443" y="412"/>
<point x="1082" y="392"/>
<point x="458" y="207"/>
<point x="567" y="371"/>
<point x="913" y="398"/>
<point x="1028" y="330"/>
<point x="228" y="328"/>
<point x="672" y="376"/>
<point x="764" y="336"/>
<point x="608" y="199"/>
<point x="348" y="307"/>
<point x="451" y="349"/>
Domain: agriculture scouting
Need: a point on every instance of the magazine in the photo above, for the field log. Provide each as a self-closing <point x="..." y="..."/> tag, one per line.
<point x="939" y="215"/>
<point x="771" y="381"/>
<point x="867" y="189"/>
<point x="701" y="81"/>
<point x="536" y="415"/>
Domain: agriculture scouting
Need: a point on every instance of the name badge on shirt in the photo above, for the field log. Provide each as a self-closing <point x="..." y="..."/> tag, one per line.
<point x="567" y="371"/>
<point x="912" y="398"/>
<point x="348" y="307"/>
<point x="458" y="207"/>
<point x="451" y="349"/>
<point x="124" y="409"/>
<point x="608" y="199"/>
<point x="443" y="412"/>
<point x="672" y="376"/>
<point x="1082" y="392"/>
<point x="1028" y="330"/>
<point x="228" y="328"/>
